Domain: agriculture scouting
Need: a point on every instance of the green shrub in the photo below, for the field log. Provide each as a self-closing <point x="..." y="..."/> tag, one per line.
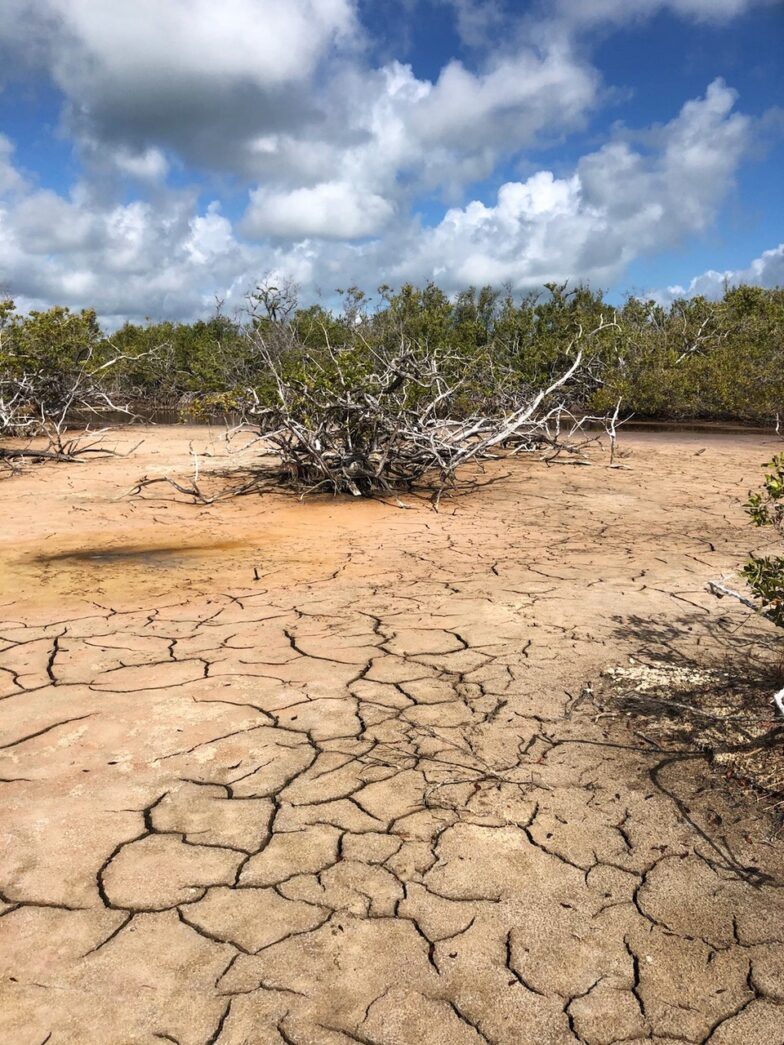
<point x="720" y="360"/>
<point x="765" y="574"/>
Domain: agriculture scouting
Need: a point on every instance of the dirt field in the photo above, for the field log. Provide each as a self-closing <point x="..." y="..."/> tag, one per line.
<point x="328" y="772"/>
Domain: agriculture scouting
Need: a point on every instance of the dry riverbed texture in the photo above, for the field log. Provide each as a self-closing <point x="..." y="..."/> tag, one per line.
<point x="339" y="772"/>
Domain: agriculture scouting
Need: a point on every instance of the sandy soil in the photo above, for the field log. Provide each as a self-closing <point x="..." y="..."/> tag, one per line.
<point x="329" y="772"/>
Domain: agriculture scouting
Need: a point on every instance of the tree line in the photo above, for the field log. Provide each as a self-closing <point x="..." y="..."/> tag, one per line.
<point x="694" y="359"/>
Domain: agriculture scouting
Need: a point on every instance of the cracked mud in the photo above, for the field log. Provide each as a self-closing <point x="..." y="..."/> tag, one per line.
<point x="324" y="773"/>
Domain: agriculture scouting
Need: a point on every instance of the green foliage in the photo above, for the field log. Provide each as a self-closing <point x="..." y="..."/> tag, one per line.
<point x="50" y="342"/>
<point x="765" y="574"/>
<point x="719" y="360"/>
<point x="167" y="361"/>
<point x="766" y="506"/>
<point x="46" y="360"/>
<point x="700" y="359"/>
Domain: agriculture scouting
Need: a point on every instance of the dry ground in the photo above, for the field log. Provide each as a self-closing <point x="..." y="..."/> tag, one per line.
<point x="327" y="772"/>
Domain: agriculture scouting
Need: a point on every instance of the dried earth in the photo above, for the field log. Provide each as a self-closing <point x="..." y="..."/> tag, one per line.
<point x="328" y="772"/>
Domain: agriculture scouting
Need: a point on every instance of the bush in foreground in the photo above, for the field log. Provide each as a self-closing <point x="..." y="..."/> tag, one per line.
<point x="765" y="573"/>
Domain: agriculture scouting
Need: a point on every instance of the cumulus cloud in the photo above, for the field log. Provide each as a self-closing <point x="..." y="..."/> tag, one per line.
<point x="128" y="260"/>
<point x="276" y="91"/>
<point x="11" y="179"/>
<point x="331" y="209"/>
<point x="145" y="165"/>
<point x="617" y="204"/>
<point x="334" y="153"/>
<point x="765" y="271"/>
<point x="402" y="134"/>
<point x="588" y="12"/>
<point x="517" y="95"/>
<point x="181" y="74"/>
<point x="478" y="22"/>
<point x="89" y="42"/>
<point x="281" y="96"/>
<point x="257" y="40"/>
<point x="169" y="258"/>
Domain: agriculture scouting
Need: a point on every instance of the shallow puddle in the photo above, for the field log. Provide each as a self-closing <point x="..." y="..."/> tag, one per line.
<point x="166" y="555"/>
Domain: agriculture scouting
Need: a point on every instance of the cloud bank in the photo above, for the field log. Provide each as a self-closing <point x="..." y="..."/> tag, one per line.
<point x="335" y="155"/>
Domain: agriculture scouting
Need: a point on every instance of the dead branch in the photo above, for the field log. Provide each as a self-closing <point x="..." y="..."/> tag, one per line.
<point x="343" y="422"/>
<point x="720" y="590"/>
<point x="36" y="409"/>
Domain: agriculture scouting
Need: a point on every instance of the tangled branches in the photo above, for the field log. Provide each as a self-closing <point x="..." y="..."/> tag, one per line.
<point x="352" y="421"/>
<point x="31" y="429"/>
<point x="53" y="368"/>
<point x="355" y="420"/>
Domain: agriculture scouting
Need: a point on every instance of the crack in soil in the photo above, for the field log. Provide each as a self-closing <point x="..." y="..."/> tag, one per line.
<point x="364" y="794"/>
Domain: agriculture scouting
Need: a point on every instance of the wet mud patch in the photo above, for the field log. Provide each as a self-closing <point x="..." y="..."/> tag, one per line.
<point x="155" y="556"/>
<point x="121" y="570"/>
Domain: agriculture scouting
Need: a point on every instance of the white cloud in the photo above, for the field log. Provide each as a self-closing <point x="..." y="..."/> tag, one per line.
<point x="127" y="260"/>
<point x="181" y="75"/>
<point x="765" y="271"/>
<point x="478" y="22"/>
<point x="11" y="179"/>
<point x="169" y="258"/>
<point x="618" y="203"/>
<point x="402" y="134"/>
<point x="210" y="236"/>
<point x="263" y="41"/>
<point x="146" y="165"/>
<point x="331" y="209"/>
<point x="46" y="223"/>
<point x="596" y="12"/>
<point x="280" y="99"/>
<point x="482" y="24"/>
<point x="521" y="95"/>
<point x="280" y="93"/>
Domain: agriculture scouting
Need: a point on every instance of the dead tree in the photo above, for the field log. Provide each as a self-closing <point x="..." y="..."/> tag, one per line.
<point x="356" y="420"/>
<point x="351" y="421"/>
<point x="38" y="410"/>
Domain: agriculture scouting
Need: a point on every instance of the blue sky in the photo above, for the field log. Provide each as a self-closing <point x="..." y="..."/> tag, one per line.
<point x="155" y="155"/>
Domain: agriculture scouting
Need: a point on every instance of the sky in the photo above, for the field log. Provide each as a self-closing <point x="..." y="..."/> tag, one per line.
<point x="161" y="155"/>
